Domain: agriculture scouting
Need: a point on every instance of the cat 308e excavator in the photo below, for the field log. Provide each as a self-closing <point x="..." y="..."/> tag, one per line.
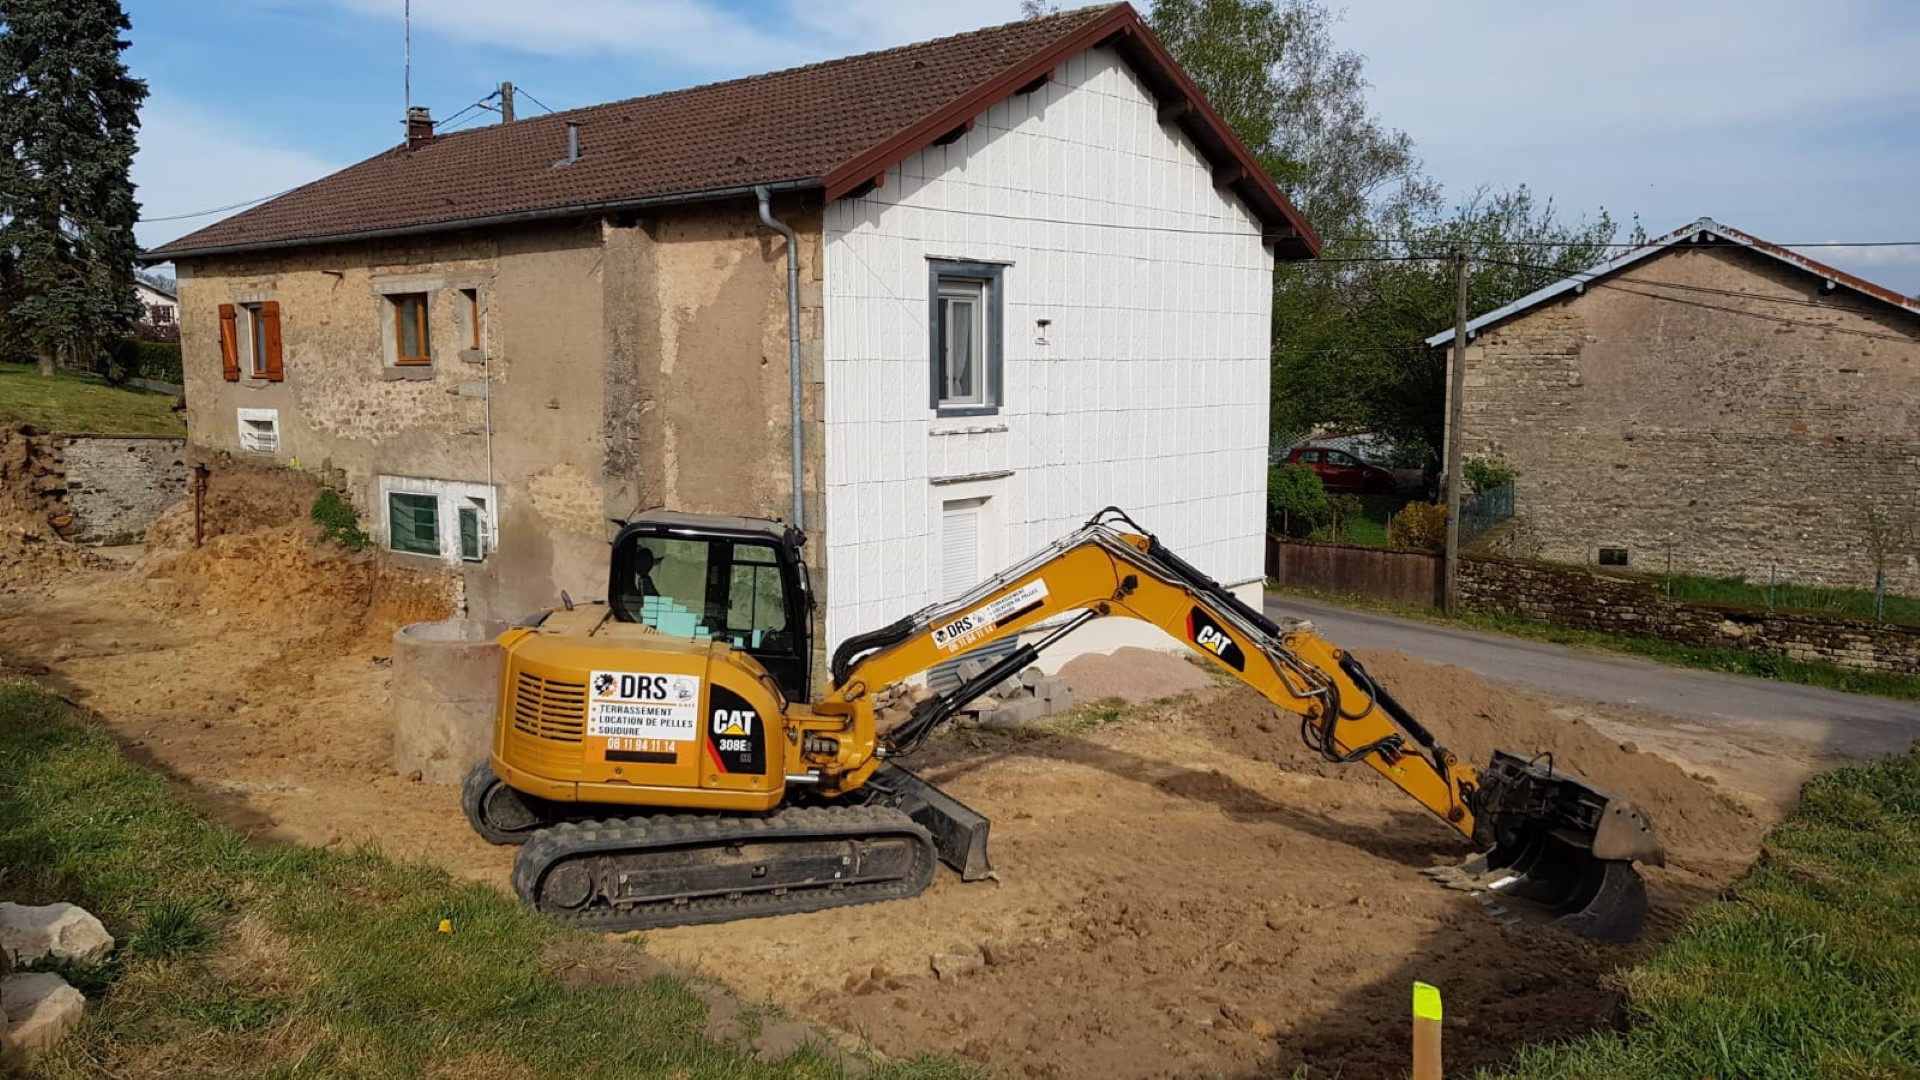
<point x="660" y="757"/>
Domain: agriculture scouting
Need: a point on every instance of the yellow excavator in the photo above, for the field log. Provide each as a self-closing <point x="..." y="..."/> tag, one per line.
<point x="662" y="761"/>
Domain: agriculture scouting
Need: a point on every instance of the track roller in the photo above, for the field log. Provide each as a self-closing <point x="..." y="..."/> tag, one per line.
<point x="641" y="873"/>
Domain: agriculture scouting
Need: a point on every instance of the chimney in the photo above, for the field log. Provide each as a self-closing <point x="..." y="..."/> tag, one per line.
<point x="573" y="145"/>
<point x="419" y="127"/>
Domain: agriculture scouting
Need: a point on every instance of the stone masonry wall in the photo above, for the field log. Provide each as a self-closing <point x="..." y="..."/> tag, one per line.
<point x="1743" y="437"/>
<point x="116" y="487"/>
<point x="1577" y="597"/>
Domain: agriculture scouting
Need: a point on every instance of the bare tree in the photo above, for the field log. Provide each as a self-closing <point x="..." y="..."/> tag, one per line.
<point x="1890" y="531"/>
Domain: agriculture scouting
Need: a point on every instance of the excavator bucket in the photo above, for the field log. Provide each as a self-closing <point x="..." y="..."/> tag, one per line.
<point x="1563" y="852"/>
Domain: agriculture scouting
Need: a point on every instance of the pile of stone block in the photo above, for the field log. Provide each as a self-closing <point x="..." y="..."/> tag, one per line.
<point x="1013" y="702"/>
<point x="38" y="1009"/>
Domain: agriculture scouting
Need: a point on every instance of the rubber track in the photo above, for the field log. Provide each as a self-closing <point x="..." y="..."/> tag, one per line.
<point x="550" y="845"/>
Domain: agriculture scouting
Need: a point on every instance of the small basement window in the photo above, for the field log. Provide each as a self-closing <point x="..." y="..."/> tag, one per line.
<point x="412" y="337"/>
<point x="413" y="523"/>
<point x="1613" y="556"/>
<point x="260" y="430"/>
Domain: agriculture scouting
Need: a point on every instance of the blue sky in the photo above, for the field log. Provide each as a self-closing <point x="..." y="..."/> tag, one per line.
<point x="1790" y="120"/>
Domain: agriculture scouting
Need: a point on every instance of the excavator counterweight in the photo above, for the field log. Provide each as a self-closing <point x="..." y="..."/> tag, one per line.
<point x="662" y="761"/>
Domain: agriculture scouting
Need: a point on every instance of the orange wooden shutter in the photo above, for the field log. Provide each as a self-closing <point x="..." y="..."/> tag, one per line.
<point x="270" y="327"/>
<point x="229" y="345"/>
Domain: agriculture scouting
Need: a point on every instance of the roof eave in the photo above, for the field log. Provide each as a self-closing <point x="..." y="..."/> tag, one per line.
<point x="1580" y="280"/>
<point x="169" y="253"/>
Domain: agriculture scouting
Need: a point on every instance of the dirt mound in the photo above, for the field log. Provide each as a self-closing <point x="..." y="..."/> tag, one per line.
<point x="1133" y="675"/>
<point x="33" y="510"/>
<point x="286" y="577"/>
<point x="1474" y="717"/>
<point x="240" y="497"/>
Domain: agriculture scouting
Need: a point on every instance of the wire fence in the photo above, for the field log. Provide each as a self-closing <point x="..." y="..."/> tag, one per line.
<point x="1481" y="511"/>
<point x="1783" y="589"/>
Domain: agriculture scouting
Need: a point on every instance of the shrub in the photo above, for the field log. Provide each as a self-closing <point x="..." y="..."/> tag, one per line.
<point x="1419" y="527"/>
<point x="337" y="521"/>
<point x="1342" y="512"/>
<point x="1483" y="475"/>
<point x="159" y="361"/>
<point x="131" y="358"/>
<point x="1296" y="501"/>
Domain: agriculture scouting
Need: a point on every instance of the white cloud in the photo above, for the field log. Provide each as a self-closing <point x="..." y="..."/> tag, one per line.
<point x="691" y="34"/>
<point x="191" y="160"/>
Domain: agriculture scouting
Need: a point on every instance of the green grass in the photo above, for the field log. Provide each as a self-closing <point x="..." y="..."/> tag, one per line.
<point x="291" y="961"/>
<point x="72" y="403"/>
<point x="1370" y="529"/>
<point x="1810" y="969"/>
<point x="1764" y="665"/>
<point x="1740" y="592"/>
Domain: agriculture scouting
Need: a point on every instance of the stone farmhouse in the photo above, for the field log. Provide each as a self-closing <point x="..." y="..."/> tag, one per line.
<point x="939" y="304"/>
<point x="1708" y="401"/>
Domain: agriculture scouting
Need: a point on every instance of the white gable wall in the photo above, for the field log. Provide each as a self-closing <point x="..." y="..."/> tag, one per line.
<point x="1150" y="394"/>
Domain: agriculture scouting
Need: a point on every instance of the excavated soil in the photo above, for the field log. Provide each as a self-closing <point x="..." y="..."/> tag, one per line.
<point x="33" y="510"/>
<point x="1184" y="892"/>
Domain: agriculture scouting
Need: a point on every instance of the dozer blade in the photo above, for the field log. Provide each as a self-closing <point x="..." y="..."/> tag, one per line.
<point x="959" y="832"/>
<point x="1563" y="852"/>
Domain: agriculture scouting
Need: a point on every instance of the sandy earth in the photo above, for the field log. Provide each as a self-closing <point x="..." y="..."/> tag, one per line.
<point x="1183" y="892"/>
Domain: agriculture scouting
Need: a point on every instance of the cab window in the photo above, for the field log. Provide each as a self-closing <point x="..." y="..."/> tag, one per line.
<point x="723" y="589"/>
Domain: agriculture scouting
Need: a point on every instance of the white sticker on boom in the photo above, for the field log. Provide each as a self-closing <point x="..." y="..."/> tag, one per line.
<point x="977" y="623"/>
<point x="637" y="705"/>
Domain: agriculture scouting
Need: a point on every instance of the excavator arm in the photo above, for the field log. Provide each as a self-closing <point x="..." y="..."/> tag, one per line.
<point x="1555" y="841"/>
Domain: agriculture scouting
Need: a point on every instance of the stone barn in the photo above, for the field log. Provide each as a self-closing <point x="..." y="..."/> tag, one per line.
<point x="1710" y="402"/>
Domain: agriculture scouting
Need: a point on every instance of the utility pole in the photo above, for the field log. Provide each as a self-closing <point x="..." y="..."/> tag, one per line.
<point x="1456" y="385"/>
<point x="506" y="103"/>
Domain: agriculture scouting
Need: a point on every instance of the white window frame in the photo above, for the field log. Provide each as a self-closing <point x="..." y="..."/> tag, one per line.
<point x="254" y="339"/>
<point x="452" y="496"/>
<point x="947" y="281"/>
<point x="254" y="439"/>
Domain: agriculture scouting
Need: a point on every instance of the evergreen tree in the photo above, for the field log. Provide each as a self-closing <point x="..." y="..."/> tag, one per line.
<point x="68" y="111"/>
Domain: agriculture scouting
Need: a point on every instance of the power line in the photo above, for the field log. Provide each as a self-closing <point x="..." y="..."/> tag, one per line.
<point x="1779" y="319"/>
<point x="1592" y="275"/>
<point x="1607" y="244"/>
<point x="521" y="91"/>
<point x="218" y="209"/>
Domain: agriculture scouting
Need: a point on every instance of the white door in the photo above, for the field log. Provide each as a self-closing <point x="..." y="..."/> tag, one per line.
<point x="959" y="546"/>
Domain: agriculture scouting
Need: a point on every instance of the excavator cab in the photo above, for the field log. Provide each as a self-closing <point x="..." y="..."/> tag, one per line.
<point x="710" y="577"/>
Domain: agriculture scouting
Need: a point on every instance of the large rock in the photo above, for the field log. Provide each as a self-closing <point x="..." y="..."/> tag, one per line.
<point x="40" y="1009"/>
<point x="66" y="931"/>
<point x="446" y="686"/>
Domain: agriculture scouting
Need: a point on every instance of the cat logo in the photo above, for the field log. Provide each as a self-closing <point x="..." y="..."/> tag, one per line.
<point x="733" y="722"/>
<point x="1209" y="637"/>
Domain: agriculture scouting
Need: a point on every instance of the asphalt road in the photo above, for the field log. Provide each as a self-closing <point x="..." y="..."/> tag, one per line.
<point x="1850" y="725"/>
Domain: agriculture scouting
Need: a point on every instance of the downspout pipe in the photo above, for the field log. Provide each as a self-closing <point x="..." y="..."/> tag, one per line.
<point x="765" y="195"/>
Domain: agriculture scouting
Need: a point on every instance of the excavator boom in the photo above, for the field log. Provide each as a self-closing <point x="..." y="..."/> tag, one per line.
<point x="1556" y="843"/>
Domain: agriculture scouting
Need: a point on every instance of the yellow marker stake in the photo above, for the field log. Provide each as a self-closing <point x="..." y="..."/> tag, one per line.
<point x="446" y="927"/>
<point x="1426" y="1032"/>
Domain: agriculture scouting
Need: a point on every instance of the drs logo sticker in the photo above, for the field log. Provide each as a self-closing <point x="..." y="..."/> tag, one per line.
<point x="1207" y="634"/>
<point x="643" y="705"/>
<point x="736" y="735"/>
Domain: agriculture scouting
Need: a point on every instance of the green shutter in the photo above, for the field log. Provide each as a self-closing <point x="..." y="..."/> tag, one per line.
<point x="413" y="523"/>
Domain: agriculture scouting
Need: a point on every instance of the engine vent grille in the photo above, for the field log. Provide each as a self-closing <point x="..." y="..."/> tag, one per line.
<point x="550" y="709"/>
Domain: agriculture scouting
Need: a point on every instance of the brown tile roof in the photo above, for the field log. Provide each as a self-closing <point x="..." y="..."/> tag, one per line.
<point x="830" y="126"/>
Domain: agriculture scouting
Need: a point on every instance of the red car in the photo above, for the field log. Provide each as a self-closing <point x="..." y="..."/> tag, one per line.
<point x="1341" y="471"/>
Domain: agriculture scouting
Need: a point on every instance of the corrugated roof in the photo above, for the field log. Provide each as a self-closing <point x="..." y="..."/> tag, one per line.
<point x="832" y="126"/>
<point x="1701" y="231"/>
